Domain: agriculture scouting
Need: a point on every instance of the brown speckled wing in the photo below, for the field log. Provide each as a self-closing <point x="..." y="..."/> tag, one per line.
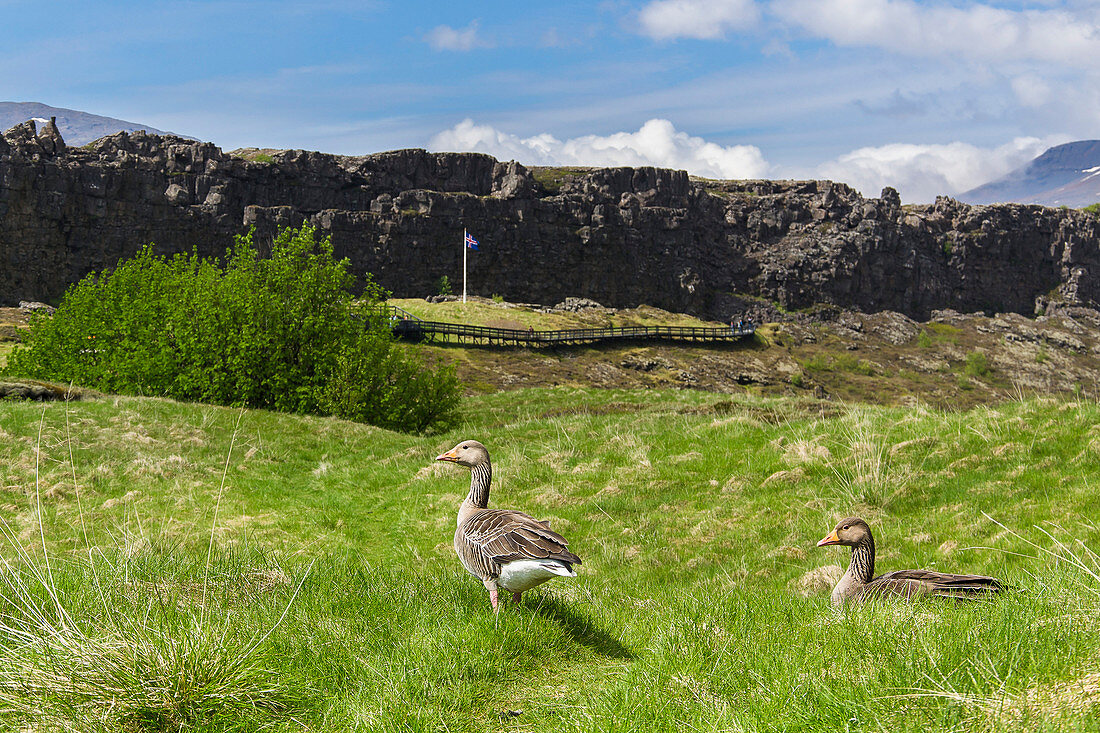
<point x="503" y="535"/>
<point x="913" y="583"/>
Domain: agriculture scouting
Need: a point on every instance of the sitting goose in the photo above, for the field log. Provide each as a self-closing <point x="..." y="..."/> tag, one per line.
<point x="859" y="583"/>
<point x="505" y="548"/>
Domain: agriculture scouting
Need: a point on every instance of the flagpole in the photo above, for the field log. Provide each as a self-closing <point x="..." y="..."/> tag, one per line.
<point x="464" y="248"/>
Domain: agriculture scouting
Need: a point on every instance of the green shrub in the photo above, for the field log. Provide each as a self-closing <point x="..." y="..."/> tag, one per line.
<point x="942" y="333"/>
<point x="280" y="332"/>
<point x="1093" y="209"/>
<point x="977" y="364"/>
<point x="818" y="363"/>
<point x="842" y="362"/>
<point x="443" y="286"/>
<point x="864" y="367"/>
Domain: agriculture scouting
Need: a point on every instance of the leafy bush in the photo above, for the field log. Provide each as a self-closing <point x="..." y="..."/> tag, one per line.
<point x="443" y="286"/>
<point x="818" y="363"/>
<point x="864" y="367"/>
<point x="281" y="332"/>
<point x="942" y="333"/>
<point x="1093" y="209"/>
<point x="977" y="364"/>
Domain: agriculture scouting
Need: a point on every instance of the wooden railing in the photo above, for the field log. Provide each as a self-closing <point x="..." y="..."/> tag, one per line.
<point x="407" y="326"/>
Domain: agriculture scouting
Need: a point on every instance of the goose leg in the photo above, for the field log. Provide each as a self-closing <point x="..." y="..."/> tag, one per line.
<point x="515" y="598"/>
<point x="491" y="586"/>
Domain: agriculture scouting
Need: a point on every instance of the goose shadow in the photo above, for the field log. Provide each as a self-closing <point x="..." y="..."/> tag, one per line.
<point x="580" y="628"/>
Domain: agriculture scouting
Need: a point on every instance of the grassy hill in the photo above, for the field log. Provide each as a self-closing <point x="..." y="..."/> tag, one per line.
<point x="953" y="361"/>
<point x="184" y="567"/>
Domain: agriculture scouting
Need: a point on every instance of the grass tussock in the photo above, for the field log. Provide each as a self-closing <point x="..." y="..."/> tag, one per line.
<point x="101" y="645"/>
<point x="93" y="646"/>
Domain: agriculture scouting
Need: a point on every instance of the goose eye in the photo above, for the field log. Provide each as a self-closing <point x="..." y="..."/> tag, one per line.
<point x="845" y="527"/>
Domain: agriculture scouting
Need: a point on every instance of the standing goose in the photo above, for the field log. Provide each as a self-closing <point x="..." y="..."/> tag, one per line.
<point x="505" y="548"/>
<point x="859" y="583"/>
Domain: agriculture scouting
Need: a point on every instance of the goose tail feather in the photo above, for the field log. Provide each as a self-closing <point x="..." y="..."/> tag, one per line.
<point x="967" y="586"/>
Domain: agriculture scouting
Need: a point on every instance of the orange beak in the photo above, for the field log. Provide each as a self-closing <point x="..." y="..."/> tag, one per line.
<point x="829" y="539"/>
<point x="448" y="456"/>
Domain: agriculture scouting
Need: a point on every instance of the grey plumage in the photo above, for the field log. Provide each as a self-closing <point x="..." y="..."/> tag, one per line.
<point x="860" y="584"/>
<point x="505" y="548"/>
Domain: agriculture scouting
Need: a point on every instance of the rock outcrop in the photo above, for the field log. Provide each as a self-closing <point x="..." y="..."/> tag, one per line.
<point x="620" y="236"/>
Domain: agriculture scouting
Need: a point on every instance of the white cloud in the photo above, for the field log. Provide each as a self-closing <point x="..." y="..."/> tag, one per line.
<point x="1068" y="103"/>
<point x="1032" y="91"/>
<point x="668" y="19"/>
<point x="446" y="38"/>
<point x="975" y="31"/>
<point x="656" y="143"/>
<point x="922" y="172"/>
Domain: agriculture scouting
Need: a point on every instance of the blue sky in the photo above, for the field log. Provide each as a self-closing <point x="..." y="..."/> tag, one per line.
<point x="930" y="97"/>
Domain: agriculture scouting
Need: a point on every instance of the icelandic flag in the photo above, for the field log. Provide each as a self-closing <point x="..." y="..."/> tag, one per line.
<point x="471" y="243"/>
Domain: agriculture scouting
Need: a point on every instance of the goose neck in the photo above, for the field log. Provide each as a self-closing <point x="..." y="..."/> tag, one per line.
<point x="862" y="567"/>
<point x="481" y="476"/>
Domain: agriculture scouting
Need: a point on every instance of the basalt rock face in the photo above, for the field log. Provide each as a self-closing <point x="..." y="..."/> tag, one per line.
<point x="620" y="236"/>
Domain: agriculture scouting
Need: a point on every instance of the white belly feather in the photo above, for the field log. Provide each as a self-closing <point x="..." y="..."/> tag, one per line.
<point x="520" y="575"/>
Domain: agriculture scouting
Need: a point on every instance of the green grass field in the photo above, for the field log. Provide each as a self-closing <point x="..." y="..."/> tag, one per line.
<point x="184" y="567"/>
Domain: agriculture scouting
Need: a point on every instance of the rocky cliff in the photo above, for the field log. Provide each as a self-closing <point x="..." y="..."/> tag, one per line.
<point x="620" y="236"/>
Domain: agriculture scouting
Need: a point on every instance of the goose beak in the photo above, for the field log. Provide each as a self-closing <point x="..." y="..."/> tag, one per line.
<point x="448" y="456"/>
<point x="829" y="539"/>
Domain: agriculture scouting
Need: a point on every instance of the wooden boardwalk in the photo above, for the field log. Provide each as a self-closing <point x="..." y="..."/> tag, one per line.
<point x="409" y="327"/>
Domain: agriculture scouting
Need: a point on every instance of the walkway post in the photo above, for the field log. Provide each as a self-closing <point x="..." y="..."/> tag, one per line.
<point x="464" y="248"/>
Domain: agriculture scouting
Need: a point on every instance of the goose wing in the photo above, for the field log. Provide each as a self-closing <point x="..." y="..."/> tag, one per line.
<point x="912" y="583"/>
<point x="505" y="535"/>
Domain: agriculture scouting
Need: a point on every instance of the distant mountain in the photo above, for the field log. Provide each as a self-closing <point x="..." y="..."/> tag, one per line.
<point x="78" y="128"/>
<point x="1065" y="175"/>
